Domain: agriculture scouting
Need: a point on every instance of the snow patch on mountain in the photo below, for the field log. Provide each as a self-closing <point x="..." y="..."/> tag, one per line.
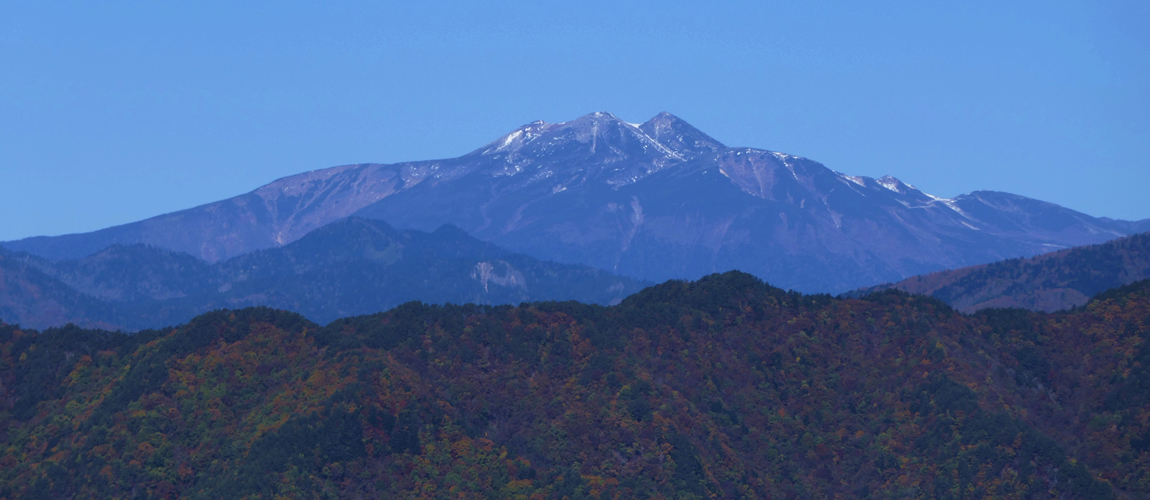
<point x="950" y="203"/>
<point x="890" y="183"/>
<point x="783" y="157"/>
<point x="861" y="181"/>
<point x="508" y="140"/>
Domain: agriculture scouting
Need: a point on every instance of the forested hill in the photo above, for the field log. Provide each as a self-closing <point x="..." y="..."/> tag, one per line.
<point x="725" y="387"/>
<point x="1049" y="282"/>
<point x="352" y="266"/>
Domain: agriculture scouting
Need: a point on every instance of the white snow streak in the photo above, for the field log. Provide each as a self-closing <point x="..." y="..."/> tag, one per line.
<point x="890" y="183"/>
<point x="783" y="157"/>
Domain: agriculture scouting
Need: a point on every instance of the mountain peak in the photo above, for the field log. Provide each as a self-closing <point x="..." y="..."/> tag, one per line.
<point x="893" y="184"/>
<point x="598" y="116"/>
<point x="602" y="124"/>
<point x="657" y="200"/>
<point x="679" y="136"/>
<point x="599" y="144"/>
<point x="664" y="135"/>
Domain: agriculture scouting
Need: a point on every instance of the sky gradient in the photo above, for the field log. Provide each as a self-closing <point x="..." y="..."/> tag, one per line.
<point x="116" y="112"/>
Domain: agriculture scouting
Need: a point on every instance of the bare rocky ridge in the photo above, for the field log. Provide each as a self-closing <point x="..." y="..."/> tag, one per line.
<point x="655" y="201"/>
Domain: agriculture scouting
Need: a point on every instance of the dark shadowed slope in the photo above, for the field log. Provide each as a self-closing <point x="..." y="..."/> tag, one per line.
<point x="358" y="265"/>
<point x="31" y="297"/>
<point x="353" y="266"/>
<point x="1048" y="282"/>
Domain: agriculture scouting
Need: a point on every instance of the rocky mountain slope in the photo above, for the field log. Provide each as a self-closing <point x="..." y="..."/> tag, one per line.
<point x="1048" y="282"/>
<point x="352" y="266"/>
<point x="656" y="201"/>
<point x="723" y="388"/>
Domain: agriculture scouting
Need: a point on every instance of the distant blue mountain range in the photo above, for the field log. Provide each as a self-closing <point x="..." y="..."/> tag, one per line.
<point x="349" y="267"/>
<point x="651" y="201"/>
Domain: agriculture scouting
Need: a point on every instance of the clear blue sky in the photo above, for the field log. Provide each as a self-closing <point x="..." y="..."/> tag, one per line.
<point x="111" y="112"/>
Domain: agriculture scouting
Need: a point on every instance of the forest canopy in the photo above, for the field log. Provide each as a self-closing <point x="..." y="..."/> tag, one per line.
<point x="724" y="387"/>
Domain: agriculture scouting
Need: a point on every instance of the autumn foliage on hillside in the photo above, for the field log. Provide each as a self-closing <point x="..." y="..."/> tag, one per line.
<point x="1048" y="282"/>
<point x="721" y="388"/>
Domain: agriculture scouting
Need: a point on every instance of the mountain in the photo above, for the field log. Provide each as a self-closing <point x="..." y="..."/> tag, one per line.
<point x="271" y="216"/>
<point x="352" y="266"/>
<point x="30" y="296"/>
<point x="1049" y="282"/>
<point x="654" y="201"/>
<point x="721" y="388"/>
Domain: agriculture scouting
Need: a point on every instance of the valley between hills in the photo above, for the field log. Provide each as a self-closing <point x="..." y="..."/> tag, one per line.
<point x="586" y="309"/>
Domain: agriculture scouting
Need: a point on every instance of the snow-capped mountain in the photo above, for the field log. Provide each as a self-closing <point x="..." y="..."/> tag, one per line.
<point x="656" y="200"/>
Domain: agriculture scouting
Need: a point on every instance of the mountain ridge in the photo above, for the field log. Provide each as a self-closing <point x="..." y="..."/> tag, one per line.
<point x="654" y="201"/>
<point x="351" y="266"/>
<point x="1049" y="282"/>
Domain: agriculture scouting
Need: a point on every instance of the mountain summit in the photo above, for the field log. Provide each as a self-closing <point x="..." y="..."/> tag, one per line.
<point x="679" y="136"/>
<point x="597" y="147"/>
<point x="656" y="200"/>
